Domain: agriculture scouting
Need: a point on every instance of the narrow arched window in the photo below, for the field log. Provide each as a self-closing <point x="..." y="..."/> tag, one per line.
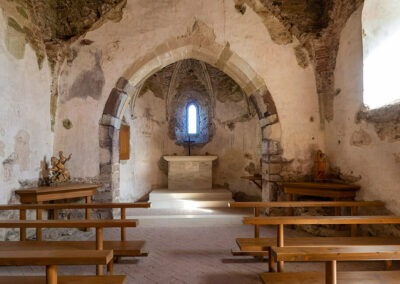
<point x="192" y="119"/>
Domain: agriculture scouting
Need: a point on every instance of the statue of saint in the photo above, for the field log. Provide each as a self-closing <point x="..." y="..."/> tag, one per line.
<point x="58" y="170"/>
<point x="320" y="166"/>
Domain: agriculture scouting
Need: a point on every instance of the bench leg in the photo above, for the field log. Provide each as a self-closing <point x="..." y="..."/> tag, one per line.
<point x="280" y="238"/>
<point x="388" y="264"/>
<point x="99" y="246"/>
<point x="51" y="274"/>
<point x="39" y="217"/>
<point x="330" y="272"/>
<point x="22" y="231"/>
<point x="88" y="201"/>
<point x="110" y="267"/>
<point x="271" y="261"/>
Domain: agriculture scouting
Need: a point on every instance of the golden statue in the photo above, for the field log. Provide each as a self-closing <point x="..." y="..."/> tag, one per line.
<point x="59" y="173"/>
<point x="320" y="166"/>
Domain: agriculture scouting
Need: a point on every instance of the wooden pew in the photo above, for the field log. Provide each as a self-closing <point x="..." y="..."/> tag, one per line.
<point x="330" y="255"/>
<point x="253" y="246"/>
<point x="98" y="224"/>
<point x="354" y="205"/>
<point x="51" y="259"/>
<point x="324" y="220"/>
<point x="121" y="248"/>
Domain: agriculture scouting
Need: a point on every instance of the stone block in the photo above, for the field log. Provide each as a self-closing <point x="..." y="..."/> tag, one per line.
<point x="271" y="119"/>
<point x="275" y="169"/>
<point x="105" y="156"/>
<point x="275" y="178"/>
<point x="275" y="158"/>
<point x="125" y="86"/>
<point x="272" y="131"/>
<point x="274" y="147"/>
<point x="115" y="103"/>
<point x="265" y="146"/>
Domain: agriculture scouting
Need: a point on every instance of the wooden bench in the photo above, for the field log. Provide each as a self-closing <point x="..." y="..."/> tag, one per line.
<point x="51" y="259"/>
<point x="354" y="205"/>
<point x="333" y="254"/>
<point x="98" y="224"/>
<point x="121" y="248"/>
<point x="253" y="246"/>
<point x="325" y="220"/>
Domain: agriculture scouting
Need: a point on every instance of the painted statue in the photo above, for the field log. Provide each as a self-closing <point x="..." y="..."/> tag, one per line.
<point x="59" y="173"/>
<point x="320" y="166"/>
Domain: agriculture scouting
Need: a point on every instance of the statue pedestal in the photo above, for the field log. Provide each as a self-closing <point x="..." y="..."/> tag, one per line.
<point x="190" y="172"/>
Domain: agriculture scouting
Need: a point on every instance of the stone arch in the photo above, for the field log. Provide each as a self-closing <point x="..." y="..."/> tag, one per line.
<point x="199" y="44"/>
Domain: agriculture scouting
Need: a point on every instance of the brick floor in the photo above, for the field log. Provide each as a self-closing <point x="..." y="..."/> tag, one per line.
<point x="190" y="255"/>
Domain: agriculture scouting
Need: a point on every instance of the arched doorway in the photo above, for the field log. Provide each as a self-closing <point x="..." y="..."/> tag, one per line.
<point x="220" y="57"/>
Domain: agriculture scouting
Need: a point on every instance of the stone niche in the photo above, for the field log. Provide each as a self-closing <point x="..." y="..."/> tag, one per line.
<point x="189" y="172"/>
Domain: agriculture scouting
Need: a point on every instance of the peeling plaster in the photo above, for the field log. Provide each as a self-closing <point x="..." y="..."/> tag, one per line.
<point x="2" y="146"/>
<point x="89" y="83"/>
<point x="360" y="138"/>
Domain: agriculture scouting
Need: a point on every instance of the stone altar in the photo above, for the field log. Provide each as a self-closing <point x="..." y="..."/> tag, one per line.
<point x="190" y="172"/>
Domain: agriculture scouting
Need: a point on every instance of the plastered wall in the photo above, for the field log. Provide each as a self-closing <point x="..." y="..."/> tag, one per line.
<point x="88" y="77"/>
<point x="25" y="129"/>
<point x="235" y="136"/>
<point x="360" y="149"/>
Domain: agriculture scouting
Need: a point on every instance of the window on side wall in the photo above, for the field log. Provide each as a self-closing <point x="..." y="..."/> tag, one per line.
<point x="381" y="47"/>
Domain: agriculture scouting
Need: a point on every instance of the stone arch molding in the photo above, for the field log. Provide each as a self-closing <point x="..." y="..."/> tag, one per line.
<point x="198" y="43"/>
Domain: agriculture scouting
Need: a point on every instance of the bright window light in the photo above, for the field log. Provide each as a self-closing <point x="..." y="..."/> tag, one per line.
<point x="381" y="73"/>
<point x="192" y="119"/>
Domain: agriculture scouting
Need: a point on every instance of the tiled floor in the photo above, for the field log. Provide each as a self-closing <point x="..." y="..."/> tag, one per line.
<point x="189" y="255"/>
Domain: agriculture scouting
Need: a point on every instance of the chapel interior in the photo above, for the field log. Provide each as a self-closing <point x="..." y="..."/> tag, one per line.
<point x="212" y="141"/>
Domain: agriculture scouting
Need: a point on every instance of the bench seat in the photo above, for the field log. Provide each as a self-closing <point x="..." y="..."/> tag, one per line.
<point x="348" y="277"/>
<point x="120" y="248"/>
<point x="252" y="245"/>
<point x="108" y="279"/>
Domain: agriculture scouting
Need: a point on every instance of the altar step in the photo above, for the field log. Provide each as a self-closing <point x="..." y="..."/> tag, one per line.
<point x="181" y="217"/>
<point x="164" y="198"/>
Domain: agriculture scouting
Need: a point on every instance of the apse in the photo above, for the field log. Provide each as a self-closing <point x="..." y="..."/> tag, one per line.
<point x="191" y="106"/>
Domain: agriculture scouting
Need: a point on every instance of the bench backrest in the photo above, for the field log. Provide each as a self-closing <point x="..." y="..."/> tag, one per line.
<point x="294" y="204"/>
<point x="321" y="220"/>
<point x="68" y="223"/>
<point x="74" y="206"/>
<point x="55" y="257"/>
<point x="351" y="253"/>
